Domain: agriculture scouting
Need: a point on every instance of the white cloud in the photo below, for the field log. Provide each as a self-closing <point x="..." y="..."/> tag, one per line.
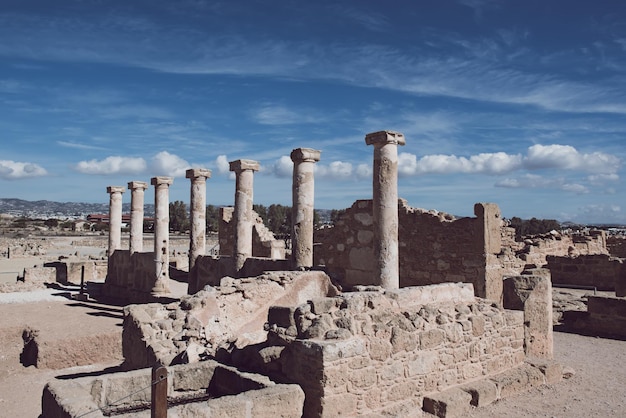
<point x="270" y="114"/>
<point x="486" y="163"/>
<point x="334" y="170"/>
<point x="283" y="167"/>
<point x="569" y="158"/>
<point x="363" y="171"/>
<point x="534" y="181"/>
<point x="12" y="170"/>
<point x="222" y="164"/>
<point x="599" y="179"/>
<point x="112" y="165"/>
<point x="167" y="164"/>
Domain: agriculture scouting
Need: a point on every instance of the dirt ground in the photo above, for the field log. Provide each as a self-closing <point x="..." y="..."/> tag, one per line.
<point x="597" y="389"/>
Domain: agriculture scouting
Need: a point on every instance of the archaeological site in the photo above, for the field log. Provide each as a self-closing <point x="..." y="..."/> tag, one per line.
<point x="391" y="311"/>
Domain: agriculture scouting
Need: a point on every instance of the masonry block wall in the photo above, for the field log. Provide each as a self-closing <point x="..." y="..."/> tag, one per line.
<point x="433" y="248"/>
<point x="131" y="277"/>
<point x="601" y="271"/>
<point x="617" y="246"/>
<point x="372" y="353"/>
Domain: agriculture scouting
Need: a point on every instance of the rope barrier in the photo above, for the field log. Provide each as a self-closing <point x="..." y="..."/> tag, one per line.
<point x="124" y="398"/>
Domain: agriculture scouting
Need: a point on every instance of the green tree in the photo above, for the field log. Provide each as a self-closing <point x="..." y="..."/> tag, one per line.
<point x="279" y="219"/>
<point x="212" y="218"/>
<point x="261" y="211"/>
<point x="336" y="215"/>
<point x="179" y="218"/>
<point x="51" y="223"/>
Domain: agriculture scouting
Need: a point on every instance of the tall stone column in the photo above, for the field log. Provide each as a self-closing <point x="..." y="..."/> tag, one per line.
<point x="302" y="211"/>
<point x="137" y="189"/>
<point x="197" y="239"/>
<point x="244" y="171"/>
<point x="115" y="218"/>
<point x="161" y="233"/>
<point x="385" y="206"/>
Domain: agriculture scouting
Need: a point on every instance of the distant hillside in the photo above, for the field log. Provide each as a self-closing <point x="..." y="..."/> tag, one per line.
<point x="47" y="209"/>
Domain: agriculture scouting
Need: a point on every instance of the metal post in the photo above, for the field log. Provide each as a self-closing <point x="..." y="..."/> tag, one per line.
<point x="82" y="279"/>
<point x="159" y="392"/>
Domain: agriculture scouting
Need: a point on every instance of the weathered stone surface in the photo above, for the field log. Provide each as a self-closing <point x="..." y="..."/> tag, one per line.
<point x="483" y="392"/>
<point x="448" y="404"/>
<point x="533" y="295"/>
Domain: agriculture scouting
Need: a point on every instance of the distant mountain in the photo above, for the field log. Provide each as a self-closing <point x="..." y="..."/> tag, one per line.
<point x="48" y="209"/>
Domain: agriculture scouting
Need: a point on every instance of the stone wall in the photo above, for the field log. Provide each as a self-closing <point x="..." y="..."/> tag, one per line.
<point x="617" y="246"/>
<point x="218" y="390"/>
<point x="379" y="353"/>
<point x="131" y="277"/>
<point x="600" y="271"/>
<point x="264" y="243"/>
<point x="605" y="316"/>
<point x="433" y="248"/>
<point x="199" y="325"/>
<point x="210" y="270"/>
<point x="70" y="272"/>
<point x="534" y="250"/>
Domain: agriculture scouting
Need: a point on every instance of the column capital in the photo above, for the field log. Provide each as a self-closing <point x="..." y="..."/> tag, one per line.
<point x="159" y="180"/>
<point x="116" y="189"/>
<point x="242" y="165"/>
<point x="305" y="154"/>
<point x="193" y="173"/>
<point x="384" y="138"/>
<point x="134" y="185"/>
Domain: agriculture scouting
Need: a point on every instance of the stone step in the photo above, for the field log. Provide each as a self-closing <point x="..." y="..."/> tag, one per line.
<point x="457" y="401"/>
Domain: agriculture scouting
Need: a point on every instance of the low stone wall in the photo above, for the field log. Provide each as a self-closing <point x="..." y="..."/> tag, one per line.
<point x="600" y="271"/>
<point x="40" y="275"/>
<point x="617" y="246"/>
<point x="379" y="353"/>
<point x="131" y="278"/>
<point x="199" y="325"/>
<point x="210" y="270"/>
<point x="220" y="391"/>
<point x="70" y="272"/>
<point x="605" y="316"/>
<point x="433" y="248"/>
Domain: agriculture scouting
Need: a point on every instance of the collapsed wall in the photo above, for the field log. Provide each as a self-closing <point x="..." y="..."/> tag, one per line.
<point x="233" y="313"/>
<point x="371" y="352"/>
<point x="433" y="248"/>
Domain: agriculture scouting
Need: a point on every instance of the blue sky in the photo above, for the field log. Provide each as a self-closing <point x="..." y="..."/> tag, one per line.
<point x="518" y="103"/>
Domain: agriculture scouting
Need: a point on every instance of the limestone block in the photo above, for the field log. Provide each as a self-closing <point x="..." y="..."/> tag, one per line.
<point x="483" y="392"/>
<point x="552" y="370"/>
<point x="432" y="294"/>
<point x="276" y="401"/>
<point x="533" y="295"/>
<point x="448" y="404"/>
<point x="517" y="380"/>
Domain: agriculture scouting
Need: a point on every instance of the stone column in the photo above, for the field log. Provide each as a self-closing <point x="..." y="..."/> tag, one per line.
<point x="197" y="238"/>
<point x="303" y="193"/>
<point x="161" y="233"/>
<point x="385" y="206"/>
<point x="244" y="171"/>
<point x="115" y="218"/>
<point x="137" y="189"/>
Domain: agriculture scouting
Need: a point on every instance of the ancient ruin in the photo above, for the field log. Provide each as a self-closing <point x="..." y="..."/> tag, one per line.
<point x="392" y="311"/>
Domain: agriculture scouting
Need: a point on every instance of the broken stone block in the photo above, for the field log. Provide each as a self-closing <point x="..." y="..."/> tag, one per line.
<point x="483" y="392"/>
<point x="448" y="404"/>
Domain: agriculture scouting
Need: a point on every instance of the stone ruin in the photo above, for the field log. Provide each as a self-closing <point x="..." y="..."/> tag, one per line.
<point x="394" y="311"/>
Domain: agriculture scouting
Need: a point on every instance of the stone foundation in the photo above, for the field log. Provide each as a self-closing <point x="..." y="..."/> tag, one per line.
<point x="219" y="390"/>
<point x="379" y="353"/>
<point x="605" y="316"/>
<point x="199" y="325"/>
